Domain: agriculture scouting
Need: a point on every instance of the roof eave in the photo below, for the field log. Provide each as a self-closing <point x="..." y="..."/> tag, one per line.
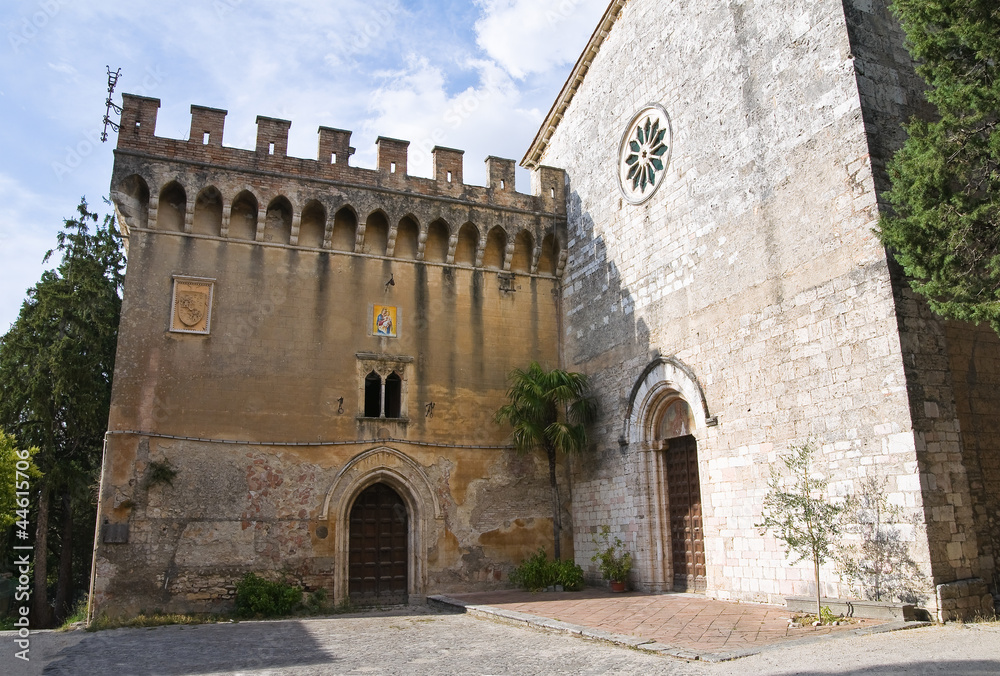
<point x="532" y="158"/>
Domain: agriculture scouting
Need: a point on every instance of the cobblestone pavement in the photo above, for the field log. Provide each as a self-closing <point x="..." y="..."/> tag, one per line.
<point x="419" y="640"/>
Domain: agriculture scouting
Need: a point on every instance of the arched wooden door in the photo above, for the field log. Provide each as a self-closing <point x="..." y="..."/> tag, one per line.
<point x="687" y="543"/>
<point x="378" y="548"/>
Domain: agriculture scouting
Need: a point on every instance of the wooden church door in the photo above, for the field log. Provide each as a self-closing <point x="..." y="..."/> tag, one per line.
<point x="378" y="557"/>
<point x="686" y="536"/>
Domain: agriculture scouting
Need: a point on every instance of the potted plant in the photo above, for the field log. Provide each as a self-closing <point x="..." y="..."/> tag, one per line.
<point x="613" y="560"/>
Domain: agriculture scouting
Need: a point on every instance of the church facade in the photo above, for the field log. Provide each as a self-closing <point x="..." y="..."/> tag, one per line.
<point x="311" y="353"/>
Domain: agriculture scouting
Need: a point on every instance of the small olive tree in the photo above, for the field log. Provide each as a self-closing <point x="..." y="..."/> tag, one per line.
<point x="797" y="513"/>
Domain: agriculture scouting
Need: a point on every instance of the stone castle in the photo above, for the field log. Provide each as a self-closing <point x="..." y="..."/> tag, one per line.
<point x="311" y="353"/>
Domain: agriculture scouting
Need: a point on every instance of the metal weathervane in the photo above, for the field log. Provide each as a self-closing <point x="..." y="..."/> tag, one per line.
<point x="112" y="83"/>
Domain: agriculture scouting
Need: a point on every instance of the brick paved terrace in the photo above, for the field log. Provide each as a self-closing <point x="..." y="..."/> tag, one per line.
<point x="688" y="621"/>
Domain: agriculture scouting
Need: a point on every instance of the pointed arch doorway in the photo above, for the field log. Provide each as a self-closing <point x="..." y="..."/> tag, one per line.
<point x="667" y="418"/>
<point x="378" y="570"/>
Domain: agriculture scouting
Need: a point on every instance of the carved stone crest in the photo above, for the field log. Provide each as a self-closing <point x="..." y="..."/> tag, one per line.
<point x="192" y="305"/>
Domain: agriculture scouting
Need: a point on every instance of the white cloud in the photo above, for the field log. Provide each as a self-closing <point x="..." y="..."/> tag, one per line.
<point x="418" y="71"/>
<point x="28" y="226"/>
<point x="486" y="119"/>
<point x="535" y="36"/>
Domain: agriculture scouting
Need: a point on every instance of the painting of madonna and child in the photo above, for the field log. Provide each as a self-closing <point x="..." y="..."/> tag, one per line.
<point x="384" y="321"/>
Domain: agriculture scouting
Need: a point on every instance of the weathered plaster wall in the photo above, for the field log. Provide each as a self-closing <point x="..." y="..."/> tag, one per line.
<point x="233" y="509"/>
<point x="264" y="418"/>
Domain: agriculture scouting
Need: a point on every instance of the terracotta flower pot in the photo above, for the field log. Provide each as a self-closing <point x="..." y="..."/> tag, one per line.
<point x="617" y="586"/>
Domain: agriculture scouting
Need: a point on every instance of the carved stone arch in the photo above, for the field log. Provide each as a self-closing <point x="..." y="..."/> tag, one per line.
<point x="663" y="378"/>
<point x="521" y="249"/>
<point x="171" y="207"/>
<point x="344" y="228"/>
<point x="672" y="556"/>
<point x="548" y="260"/>
<point x="495" y="243"/>
<point x="375" y="237"/>
<point x="466" y="249"/>
<point x="406" y="477"/>
<point x="280" y="225"/>
<point x="132" y="203"/>
<point x="312" y="224"/>
<point x="435" y="240"/>
<point x="208" y="208"/>
<point x="405" y="238"/>
<point x="240" y="215"/>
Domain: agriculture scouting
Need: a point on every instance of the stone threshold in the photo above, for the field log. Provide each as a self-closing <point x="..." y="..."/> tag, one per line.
<point x="516" y="618"/>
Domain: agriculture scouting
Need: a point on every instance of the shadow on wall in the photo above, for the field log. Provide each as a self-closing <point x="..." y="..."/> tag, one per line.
<point x="602" y="337"/>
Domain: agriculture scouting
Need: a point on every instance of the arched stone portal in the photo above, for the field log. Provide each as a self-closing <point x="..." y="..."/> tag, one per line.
<point x="667" y="413"/>
<point x="424" y="517"/>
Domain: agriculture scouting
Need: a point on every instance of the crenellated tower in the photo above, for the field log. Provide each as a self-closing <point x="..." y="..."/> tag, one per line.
<point x="303" y="339"/>
<point x="199" y="186"/>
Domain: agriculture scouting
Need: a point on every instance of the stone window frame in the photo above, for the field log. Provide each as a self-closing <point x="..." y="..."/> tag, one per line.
<point x="207" y="281"/>
<point x="383" y="366"/>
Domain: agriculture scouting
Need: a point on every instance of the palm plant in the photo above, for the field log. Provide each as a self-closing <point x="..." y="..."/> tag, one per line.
<point x="549" y="411"/>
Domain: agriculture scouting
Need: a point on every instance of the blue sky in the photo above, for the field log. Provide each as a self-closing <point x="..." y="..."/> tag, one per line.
<point x="477" y="75"/>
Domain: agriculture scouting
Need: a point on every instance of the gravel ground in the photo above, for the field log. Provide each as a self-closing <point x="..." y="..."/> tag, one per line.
<point x="423" y="641"/>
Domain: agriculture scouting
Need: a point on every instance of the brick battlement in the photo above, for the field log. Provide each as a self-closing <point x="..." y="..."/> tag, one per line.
<point x="204" y="146"/>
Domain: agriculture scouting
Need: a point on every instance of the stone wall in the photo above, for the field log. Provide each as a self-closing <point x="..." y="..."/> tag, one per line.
<point x="755" y="265"/>
<point x="248" y="330"/>
<point x="974" y="364"/>
<point x="273" y="510"/>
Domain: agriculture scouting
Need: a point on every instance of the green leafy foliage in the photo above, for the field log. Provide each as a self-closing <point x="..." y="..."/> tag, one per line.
<point x="11" y="483"/>
<point x="316" y="602"/>
<point x="613" y="560"/>
<point x="56" y="364"/>
<point x="879" y="566"/>
<point x="257" y="597"/>
<point x="537" y="573"/>
<point x="826" y="615"/>
<point x="798" y="514"/>
<point x="548" y="411"/>
<point x="160" y="472"/>
<point x="945" y="229"/>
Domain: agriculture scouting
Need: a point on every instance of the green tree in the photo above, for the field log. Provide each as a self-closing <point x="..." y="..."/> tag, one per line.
<point x="10" y="482"/>
<point x="797" y="512"/>
<point x="56" y="364"/>
<point x="945" y="185"/>
<point x="549" y="411"/>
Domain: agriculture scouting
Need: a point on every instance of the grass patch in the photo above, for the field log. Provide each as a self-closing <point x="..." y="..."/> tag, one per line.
<point x="143" y="621"/>
<point x="989" y="620"/>
<point x="78" y="615"/>
<point x="826" y="617"/>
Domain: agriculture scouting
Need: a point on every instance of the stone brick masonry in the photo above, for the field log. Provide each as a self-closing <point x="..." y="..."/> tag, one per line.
<point x="756" y="267"/>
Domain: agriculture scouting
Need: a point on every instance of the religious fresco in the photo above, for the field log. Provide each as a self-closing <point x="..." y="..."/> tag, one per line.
<point x="384" y="321"/>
